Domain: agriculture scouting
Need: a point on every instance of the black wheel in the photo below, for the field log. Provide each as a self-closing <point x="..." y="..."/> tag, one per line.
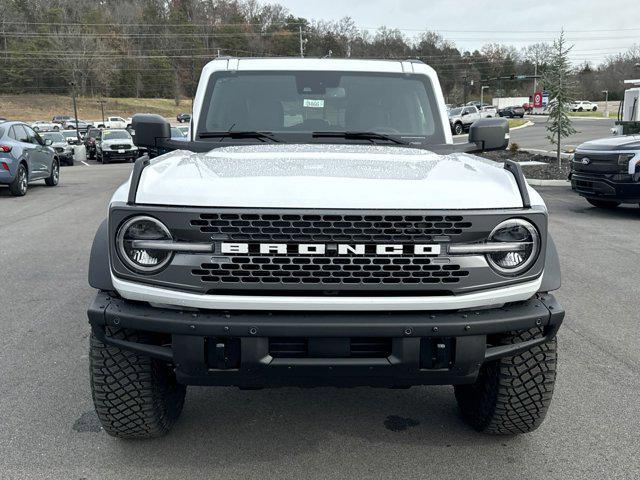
<point x="56" y="128"/>
<point x="53" y="179"/>
<point x="594" y="109"/>
<point x="458" y="129"/>
<point x="70" y="162"/>
<point x="580" y="109"/>
<point x="607" y="204"/>
<point x="511" y="395"/>
<point x="135" y="396"/>
<point x="18" y="187"/>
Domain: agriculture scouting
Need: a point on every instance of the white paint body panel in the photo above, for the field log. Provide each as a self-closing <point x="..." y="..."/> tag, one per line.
<point x="156" y="295"/>
<point x="328" y="176"/>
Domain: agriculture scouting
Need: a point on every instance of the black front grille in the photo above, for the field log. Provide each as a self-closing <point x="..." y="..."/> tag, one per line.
<point x="328" y="228"/>
<point x="329" y="271"/>
<point x="303" y="347"/>
<point x="596" y="157"/>
<point x="121" y="147"/>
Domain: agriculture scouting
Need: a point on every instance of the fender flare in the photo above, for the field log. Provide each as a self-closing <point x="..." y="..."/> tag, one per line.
<point x="99" y="266"/>
<point x="551" y="276"/>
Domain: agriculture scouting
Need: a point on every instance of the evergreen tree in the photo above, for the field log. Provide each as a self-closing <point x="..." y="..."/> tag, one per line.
<point x="558" y="81"/>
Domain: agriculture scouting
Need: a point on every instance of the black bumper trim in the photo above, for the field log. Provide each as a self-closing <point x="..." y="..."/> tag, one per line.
<point x="188" y="331"/>
<point x="596" y="186"/>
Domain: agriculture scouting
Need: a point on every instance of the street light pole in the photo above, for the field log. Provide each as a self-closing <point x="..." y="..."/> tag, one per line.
<point x="482" y="94"/>
<point x="606" y="103"/>
<point x="75" y="107"/>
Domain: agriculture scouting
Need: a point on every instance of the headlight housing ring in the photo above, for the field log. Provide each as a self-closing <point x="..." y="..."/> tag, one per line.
<point x="514" y="262"/>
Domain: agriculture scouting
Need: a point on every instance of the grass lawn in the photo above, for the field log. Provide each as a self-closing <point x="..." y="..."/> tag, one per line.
<point x="31" y="107"/>
<point x="516" y="122"/>
<point x="596" y="114"/>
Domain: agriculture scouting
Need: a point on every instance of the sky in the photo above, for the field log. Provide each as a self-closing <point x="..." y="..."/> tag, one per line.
<point x="596" y="28"/>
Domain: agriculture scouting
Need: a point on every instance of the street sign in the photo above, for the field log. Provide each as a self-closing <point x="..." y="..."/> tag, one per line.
<point x="537" y="100"/>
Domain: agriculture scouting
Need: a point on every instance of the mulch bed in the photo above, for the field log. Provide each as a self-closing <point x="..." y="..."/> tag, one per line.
<point x="549" y="171"/>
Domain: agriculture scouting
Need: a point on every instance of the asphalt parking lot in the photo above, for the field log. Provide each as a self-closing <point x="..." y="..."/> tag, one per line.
<point x="534" y="137"/>
<point x="48" y="428"/>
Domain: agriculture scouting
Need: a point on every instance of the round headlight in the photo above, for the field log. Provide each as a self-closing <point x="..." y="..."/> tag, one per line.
<point x="526" y="240"/>
<point x="137" y="257"/>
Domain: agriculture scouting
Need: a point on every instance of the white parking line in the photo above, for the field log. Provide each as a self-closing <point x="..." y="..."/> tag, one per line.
<point x="85" y="163"/>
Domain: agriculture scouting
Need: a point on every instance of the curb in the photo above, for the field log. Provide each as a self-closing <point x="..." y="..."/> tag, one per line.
<point x="534" y="182"/>
<point x="528" y="124"/>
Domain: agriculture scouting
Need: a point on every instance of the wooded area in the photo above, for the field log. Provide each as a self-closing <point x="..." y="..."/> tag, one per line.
<point x="156" y="48"/>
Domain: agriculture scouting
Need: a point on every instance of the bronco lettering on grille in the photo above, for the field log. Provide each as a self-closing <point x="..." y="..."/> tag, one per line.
<point x="323" y="249"/>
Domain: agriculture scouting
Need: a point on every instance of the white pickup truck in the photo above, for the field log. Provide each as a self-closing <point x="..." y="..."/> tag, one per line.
<point x="113" y="122"/>
<point x="320" y="227"/>
<point x="461" y="118"/>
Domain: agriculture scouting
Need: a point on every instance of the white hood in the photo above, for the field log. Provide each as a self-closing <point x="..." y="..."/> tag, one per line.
<point x="327" y="176"/>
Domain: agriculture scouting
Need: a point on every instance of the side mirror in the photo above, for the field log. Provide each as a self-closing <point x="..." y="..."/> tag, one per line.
<point x="149" y="128"/>
<point x="47" y="142"/>
<point x="490" y="133"/>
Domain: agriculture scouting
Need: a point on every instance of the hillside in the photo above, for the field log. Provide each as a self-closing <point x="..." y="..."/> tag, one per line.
<point x="31" y="107"/>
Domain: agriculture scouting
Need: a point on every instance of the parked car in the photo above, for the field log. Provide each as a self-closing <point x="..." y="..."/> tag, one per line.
<point x="92" y="136"/>
<point x="61" y="119"/>
<point x="43" y="126"/>
<point x="606" y="171"/>
<point x="488" y="111"/>
<point x="583" y="106"/>
<point x="59" y="143"/>
<point x="115" y="144"/>
<point x="2" y="119"/>
<point x="461" y="118"/>
<point x="113" y="122"/>
<point x="71" y="136"/>
<point x="184" y="117"/>
<point x="83" y="125"/>
<point x="511" y="112"/>
<point x="25" y="157"/>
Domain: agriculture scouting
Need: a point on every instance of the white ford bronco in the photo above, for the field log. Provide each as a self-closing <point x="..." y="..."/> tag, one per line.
<point x="319" y="227"/>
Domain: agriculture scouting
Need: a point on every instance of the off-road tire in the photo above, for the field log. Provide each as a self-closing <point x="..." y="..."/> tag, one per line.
<point x="606" y="204"/>
<point x="19" y="186"/>
<point x="458" y="129"/>
<point x="511" y="395"/>
<point x="53" y="179"/>
<point x="135" y="396"/>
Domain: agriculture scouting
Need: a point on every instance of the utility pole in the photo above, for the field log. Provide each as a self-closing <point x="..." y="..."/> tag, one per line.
<point x="606" y="103"/>
<point x="535" y="78"/>
<point x="301" y="41"/>
<point x="102" y="103"/>
<point x="75" y="107"/>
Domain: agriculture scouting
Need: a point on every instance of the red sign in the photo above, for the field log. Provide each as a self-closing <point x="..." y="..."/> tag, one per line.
<point x="537" y="100"/>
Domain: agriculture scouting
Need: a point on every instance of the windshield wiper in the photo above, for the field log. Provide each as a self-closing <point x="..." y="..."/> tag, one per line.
<point x="360" y="136"/>
<point x="240" y="134"/>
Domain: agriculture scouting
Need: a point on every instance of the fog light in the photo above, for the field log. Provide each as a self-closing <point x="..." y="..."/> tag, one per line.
<point x="144" y="260"/>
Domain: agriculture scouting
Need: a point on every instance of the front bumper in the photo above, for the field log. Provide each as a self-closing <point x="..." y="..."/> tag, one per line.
<point x="617" y="187"/>
<point x="115" y="155"/>
<point x="237" y="347"/>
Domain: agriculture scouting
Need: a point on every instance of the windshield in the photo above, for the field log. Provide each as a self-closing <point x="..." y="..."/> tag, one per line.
<point x="295" y="104"/>
<point x="54" y="137"/>
<point x="116" y="135"/>
<point x="455" y="111"/>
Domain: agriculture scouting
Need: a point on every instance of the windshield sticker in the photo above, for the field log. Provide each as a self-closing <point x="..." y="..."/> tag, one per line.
<point x="312" y="103"/>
